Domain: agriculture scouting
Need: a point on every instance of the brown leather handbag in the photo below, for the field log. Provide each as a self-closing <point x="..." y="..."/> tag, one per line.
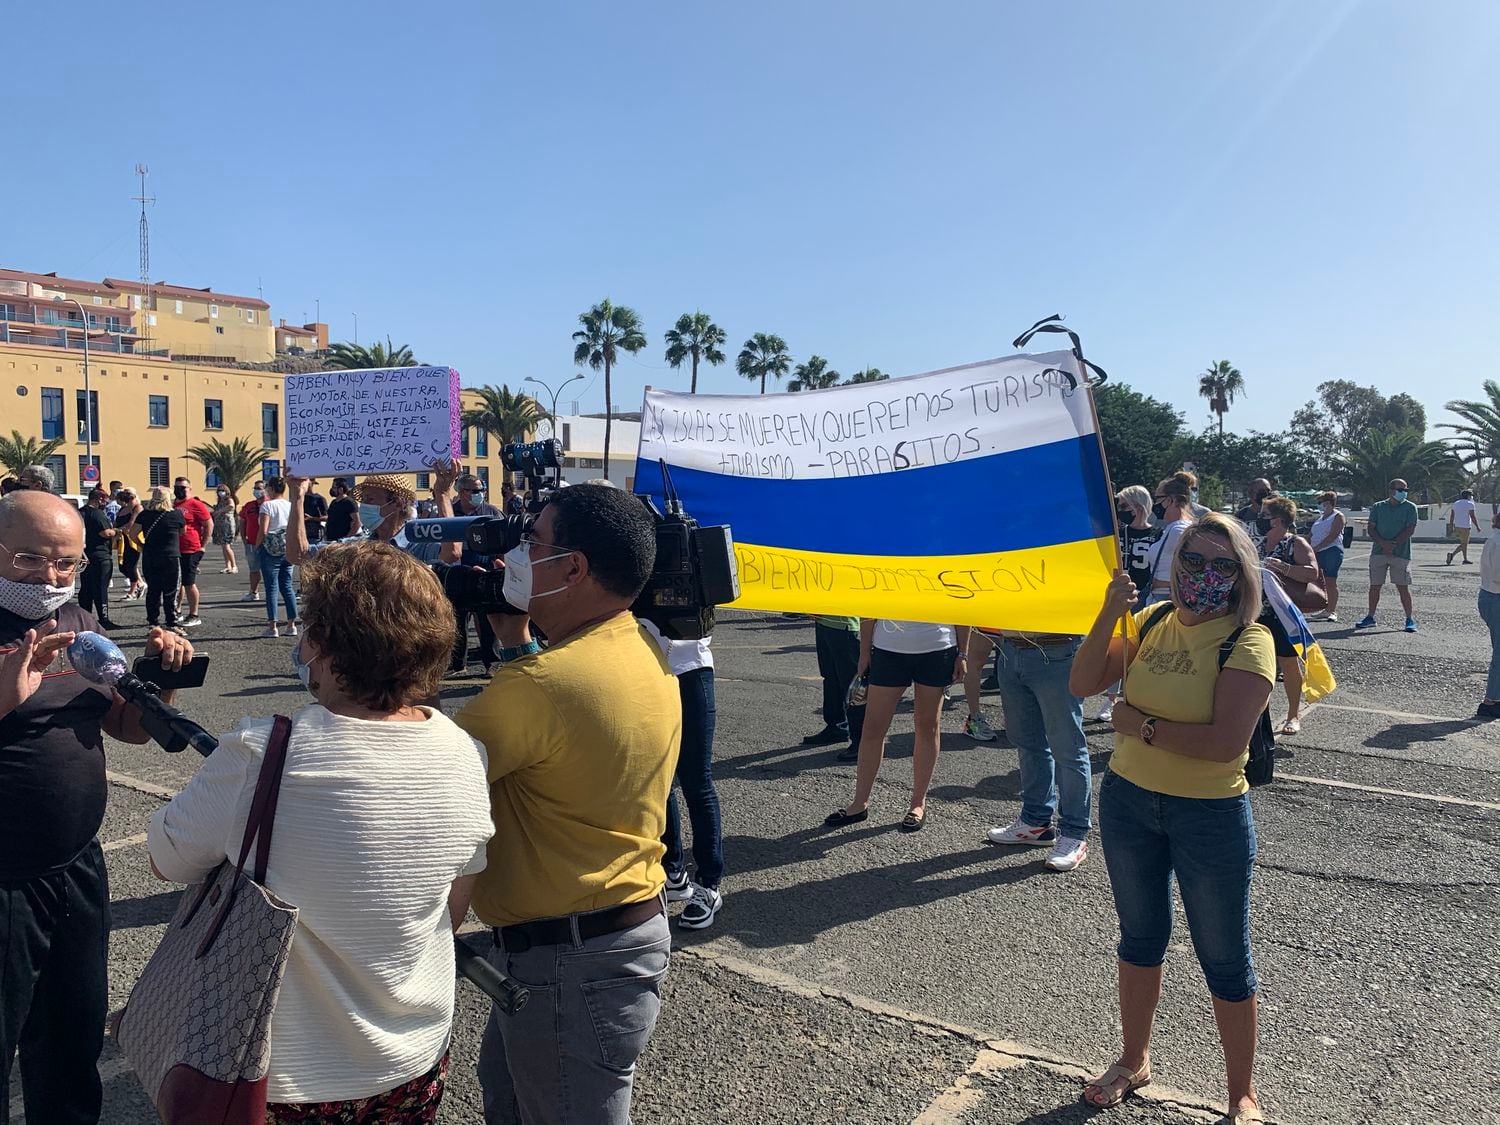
<point x="197" y="1026"/>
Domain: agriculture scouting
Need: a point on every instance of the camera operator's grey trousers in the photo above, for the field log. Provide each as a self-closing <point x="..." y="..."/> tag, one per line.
<point x="569" y="1055"/>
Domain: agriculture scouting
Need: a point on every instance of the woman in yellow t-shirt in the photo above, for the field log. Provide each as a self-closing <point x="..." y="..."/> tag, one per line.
<point x="1174" y="800"/>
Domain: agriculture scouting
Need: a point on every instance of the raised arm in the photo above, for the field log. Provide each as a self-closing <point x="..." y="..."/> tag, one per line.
<point x="1100" y="660"/>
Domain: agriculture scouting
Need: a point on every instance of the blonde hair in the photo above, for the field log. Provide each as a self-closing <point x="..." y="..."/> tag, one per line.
<point x="1246" y="597"/>
<point x="1137" y="496"/>
<point x="158" y="498"/>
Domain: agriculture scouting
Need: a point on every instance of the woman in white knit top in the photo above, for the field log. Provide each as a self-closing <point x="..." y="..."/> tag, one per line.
<point x="380" y="828"/>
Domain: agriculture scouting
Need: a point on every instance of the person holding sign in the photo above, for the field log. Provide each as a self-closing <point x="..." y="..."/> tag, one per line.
<point x="1175" y="801"/>
<point x="898" y="655"/>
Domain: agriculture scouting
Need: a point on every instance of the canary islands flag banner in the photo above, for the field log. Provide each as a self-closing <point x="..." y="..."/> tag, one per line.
<point x="974" y="496"/>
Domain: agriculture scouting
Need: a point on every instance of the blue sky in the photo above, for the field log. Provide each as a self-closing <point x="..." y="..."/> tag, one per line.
<point x="1306" y="189"/>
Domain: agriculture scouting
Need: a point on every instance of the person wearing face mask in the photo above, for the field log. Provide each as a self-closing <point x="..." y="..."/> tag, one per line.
<point x="1327" y="538"/>
<point x="1175" y="800"/>
<point x="196" y="532"/>
<point x="54" y="891"/>
<point x="1170" y="507"/>
<point x="380" y="829"/>
<point x="250" y="533"/>
<point x="1489" y="610"/>
<point x="1393" y="521"/>
<point x="159" y="529"/>
<point x="224" y="511"/>
<point x="1290" y="559"/>
<point x="343" y="513"/>
<point x="390" y="500"/>
<point x="99" y="548"/>
<point x="575" y="885"/>
<point x="1256" y="524"/>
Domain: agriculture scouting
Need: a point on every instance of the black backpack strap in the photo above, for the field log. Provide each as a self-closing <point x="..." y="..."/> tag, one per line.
<point x="1226" y="650"/>
<point x="1158" y="615"/>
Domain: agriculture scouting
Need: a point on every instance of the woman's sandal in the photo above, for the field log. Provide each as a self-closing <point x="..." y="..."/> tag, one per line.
<point x="1110" y="1095"/>
<point x="838" y="818"/>
<point x="1247" y="1115"/>
<point x="1291" y="726"/>
<point x="913" y="822"/>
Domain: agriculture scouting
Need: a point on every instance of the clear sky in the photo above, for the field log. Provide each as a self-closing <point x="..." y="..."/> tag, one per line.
<point x="1305" y="188"/>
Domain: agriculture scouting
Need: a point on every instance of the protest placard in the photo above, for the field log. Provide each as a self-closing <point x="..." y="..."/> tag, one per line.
<point x="386" y="420"/>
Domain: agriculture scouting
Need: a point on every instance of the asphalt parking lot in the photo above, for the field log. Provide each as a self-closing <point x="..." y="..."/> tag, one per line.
<point x="864" y="975"/>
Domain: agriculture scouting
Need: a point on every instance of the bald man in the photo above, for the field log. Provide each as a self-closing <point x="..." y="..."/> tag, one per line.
<point x="54" y="894"/>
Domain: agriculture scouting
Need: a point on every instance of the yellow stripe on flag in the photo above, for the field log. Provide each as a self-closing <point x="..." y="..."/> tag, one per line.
<point x="1055" y="589"/>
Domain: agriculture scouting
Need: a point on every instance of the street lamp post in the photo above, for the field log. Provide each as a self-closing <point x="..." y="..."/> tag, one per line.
<point x="554" y="394"/>
<point x="88" y="396"/>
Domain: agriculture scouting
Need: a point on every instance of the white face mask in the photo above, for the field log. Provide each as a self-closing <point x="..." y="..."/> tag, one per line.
<point x="304" y="671"/>
<point x="33" y="601"/>
<point x="518" y="574"/>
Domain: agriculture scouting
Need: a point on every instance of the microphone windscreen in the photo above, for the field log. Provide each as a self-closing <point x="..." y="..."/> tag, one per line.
<point x="97" y="658"/>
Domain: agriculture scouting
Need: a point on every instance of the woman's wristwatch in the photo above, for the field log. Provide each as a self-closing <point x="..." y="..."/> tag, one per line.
<point x="1148" y="729"/>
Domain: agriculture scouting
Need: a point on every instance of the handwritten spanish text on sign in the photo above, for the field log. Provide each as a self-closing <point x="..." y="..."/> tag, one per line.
<point x="389" y="420"/>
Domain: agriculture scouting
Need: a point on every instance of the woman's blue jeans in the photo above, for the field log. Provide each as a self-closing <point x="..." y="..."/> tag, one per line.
<point x="1489" y="609"/>
<point x="276" y="573"/>
<point x="1209" y="844"/>
<point x="695" y="774"/>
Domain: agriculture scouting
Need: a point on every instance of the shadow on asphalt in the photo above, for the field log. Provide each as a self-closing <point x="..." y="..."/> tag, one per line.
<point x="148" y="910"/>
<point x="1402" y="735"/>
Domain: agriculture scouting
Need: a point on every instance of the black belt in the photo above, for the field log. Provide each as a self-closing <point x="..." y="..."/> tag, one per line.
<point x="559" y="931"/>
<point x="1046" y="640"/>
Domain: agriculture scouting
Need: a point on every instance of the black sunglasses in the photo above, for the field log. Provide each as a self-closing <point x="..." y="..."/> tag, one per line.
<point x="1194" y="563"/>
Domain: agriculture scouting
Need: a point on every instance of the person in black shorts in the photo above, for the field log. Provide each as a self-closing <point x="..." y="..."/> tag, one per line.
<point x="99" y="549"/>
<point x="161" y="529"/>
<point x="898" y="655"/>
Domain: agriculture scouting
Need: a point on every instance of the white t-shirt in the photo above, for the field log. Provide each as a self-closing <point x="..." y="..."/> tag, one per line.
<point x="1166" y="549"/>
<point x="1463" y="514"/>
<point x="374" y="822"/>
<point x="1489" y="564"/>
<point x="277" y="513"/>
<point x="913" y="636"/>
<point x="682" y="656"/>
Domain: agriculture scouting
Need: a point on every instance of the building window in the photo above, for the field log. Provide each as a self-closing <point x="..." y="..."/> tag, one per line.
<point x="52" y="413"/>
<point x="483" y="473"/>
<point x="59" y="466"/>
<point x="567" y="434"/>
<point x="161" y="472"/>
<point x="157" y="409"/>
<point x="7" y="312"/>
<point x="481" y="442"/>
<point x="219" y="328"/>
<point x="178" y="305"/>
<point x="269" y="425"/>
<point x="98" y="300"/>
<point x="213" y="311"/>
<point x="113" y="324"/>
<point x="93" y="408"/>
<point x="463" y="441"/>
<point x="270" y="468"/>
<point x="135" y="302"/>
<point x="213" y="414"/>
<point x="211" y="479"/>
<point x="151" y="319"/>
<point x="424" y="480"/>
<point x="250" y="316"/>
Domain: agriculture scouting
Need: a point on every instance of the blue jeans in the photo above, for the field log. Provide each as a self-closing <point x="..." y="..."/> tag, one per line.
<point x="1045" y="721"/>
<point x="695" y="774"/>
<point x="1489" y="609"/>
<point x="276" y="571"/>
<point x="1209" y="843"/>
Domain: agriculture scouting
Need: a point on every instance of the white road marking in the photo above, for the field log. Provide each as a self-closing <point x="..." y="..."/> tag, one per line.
<point x="125" y="781"/>
<point x="1470" y="720"/>
<point x="1381" y="792"/>
<point x="125" y="842"/>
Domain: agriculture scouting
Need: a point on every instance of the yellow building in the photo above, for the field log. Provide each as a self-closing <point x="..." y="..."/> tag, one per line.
<point x="200" y="324"/>
<point x="38" y="308"/>
<point x="149" y="411"/>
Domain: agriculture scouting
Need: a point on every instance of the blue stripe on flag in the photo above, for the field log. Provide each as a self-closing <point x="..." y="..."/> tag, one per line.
<point x="1035" y="497"/>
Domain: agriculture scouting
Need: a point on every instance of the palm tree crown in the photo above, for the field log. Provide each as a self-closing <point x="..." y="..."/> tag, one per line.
<point x="1477" y="438"/>
<point x="607" y="329"/>
<point x="233" y="464"/>
<point x="507" y="415"/>
<point x="1372" y="460"/>
<point x="354" y="357"/>
<point x="763" y="354"/>
<point x="868" y="375"/>
<point x="1220" y="384"/>
<point x="696" y="337"/>
<point x="813" y="375"/>
<point x="16" y="452"/>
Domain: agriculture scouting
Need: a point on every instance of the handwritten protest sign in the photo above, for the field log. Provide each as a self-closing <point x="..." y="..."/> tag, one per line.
<point x="975" y="495"/>
<point x="387" y="420"/>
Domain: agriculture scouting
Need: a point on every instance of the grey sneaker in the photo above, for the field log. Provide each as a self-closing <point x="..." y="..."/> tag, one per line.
<point x="978" y="729"/>
<point x="192" y="622"/>
<point x="701" y="908"/>
<point x="678" y="887"/>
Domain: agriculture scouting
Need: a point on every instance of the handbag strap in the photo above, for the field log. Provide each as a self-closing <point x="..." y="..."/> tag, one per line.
<point x="263" y="805"/>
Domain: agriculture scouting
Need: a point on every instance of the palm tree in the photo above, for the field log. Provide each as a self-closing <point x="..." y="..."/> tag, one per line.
<point x="1220" y="384"/>
<point x="608" y="329"/>
<point x="504" y="413"/>
<point x="233" y="464"/>
<point x="355" y="357"/>
<point x="695" y="336"/>
<point x="868" y="375"/>
<point x="1477" y="439"/>
<point x="813" y="375"/>
<point x="1374" y="459"/>
<point x="763" y="354"/>
<point x="16" y="452"/>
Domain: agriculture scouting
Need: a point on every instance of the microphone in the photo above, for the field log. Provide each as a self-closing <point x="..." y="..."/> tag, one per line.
<point x="100" y="661"/>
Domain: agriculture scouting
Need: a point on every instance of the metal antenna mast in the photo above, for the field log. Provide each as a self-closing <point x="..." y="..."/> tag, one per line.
<point x="146" y="302"/>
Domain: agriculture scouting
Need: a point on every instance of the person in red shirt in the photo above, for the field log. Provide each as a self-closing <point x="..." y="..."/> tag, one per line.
<point x="250" y="533"/>
<point x="200" y="523"/>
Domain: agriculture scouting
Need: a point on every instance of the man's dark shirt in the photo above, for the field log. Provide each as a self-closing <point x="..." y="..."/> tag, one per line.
<point x="52" y="786"/>
<point x="340" y="519"/>
<point x="313" y="507"/>
<point x="96" y="521"/>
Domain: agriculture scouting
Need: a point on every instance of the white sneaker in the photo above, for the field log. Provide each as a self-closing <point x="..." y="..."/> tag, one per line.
<point x="699" y="913"/>
<point x="678" y="887"/>
<point x="249" y="597"/>
<point x="1331" y="617"/>
<point x="1019" y="832"/>
<point x="1107" y="712"/>
<point x="1067" y="854"/>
